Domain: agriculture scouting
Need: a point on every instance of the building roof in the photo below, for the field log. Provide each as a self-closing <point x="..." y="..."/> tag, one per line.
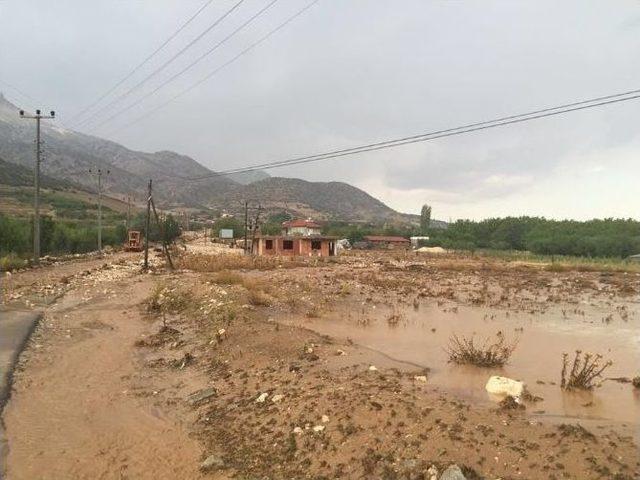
<point x="300" y="223"/>
<point x="297" y="237"/>
<point x="386" y="238"/>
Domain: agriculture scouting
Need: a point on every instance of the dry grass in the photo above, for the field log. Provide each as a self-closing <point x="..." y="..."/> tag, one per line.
<point x="217" y="263"/>
<point x="492" y="353"/>
<point x="226" y="277"/>
<point x="166" y="299"/>
<point x="586" y="369"/>
<point x="258" y="298"/>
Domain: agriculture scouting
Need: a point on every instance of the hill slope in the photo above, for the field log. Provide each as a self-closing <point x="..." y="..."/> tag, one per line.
<point x="330" y="201"/>
<point x="69" y="155"/>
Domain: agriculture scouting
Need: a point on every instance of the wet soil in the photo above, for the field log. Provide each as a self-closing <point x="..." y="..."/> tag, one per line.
<point x="243" y="372"/>
<point x="81" y="406"/>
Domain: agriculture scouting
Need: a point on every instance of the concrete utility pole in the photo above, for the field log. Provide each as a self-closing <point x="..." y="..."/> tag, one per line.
<point x="246" y="224"/>
<point x="36" y="183"/>
<point x="129" y="211"/>
<point x="99" y="173"/>
<point x="146" y="230"/>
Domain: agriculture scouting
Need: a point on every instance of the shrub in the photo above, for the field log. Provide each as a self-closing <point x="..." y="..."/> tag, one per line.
<point x="489" y="354"/>
<point x="11" y="262"/>
<point x="584" y="371"/>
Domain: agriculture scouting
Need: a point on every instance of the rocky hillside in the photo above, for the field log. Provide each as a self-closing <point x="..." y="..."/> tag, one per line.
<point x="69" y="156"/>
<point x="331" y="200"/>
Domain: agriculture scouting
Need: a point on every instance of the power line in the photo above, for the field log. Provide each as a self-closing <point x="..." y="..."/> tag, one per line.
<point x="141" y="64"/>
<point x="164" y="65"/>
<point x="188" y="67"/>
<point x="221" y="67"/>
<point x="512" y="119"/>
<point x="21" y="93"/>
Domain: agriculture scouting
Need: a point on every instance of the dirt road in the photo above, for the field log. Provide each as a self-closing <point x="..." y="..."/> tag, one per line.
<point x="80" y="408"/>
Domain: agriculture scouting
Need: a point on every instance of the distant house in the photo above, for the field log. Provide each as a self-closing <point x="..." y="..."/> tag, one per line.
<point x="299" y="238"/>
<point x="301" y="227"/>
<point x="387" y="241"/>
<point x="416" y="241"/>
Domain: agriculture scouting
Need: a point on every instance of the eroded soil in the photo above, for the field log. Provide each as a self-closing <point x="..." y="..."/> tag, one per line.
<point x="109" y="388"/>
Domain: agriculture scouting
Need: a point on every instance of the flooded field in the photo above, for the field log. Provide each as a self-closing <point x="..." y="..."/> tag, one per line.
<point x="418" y="335"/>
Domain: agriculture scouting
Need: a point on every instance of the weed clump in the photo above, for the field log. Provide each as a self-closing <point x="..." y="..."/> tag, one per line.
<point x="226" y="277"/>
<point x="584" y="371"/>
<point x="491" y="353"/>
<point x="166" y="299"/>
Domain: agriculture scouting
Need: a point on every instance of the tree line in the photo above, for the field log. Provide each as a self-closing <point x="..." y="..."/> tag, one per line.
<point x="594" y="238"/>
<point x="64" y="236"/>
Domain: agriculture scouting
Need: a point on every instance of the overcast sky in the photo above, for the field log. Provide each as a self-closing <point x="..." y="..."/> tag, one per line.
<point x="356" y="71"/>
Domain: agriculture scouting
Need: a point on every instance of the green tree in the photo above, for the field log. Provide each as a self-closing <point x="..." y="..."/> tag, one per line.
<point x="425" y="218"/>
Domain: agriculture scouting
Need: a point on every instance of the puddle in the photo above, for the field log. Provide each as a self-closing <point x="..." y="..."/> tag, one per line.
<point x="420" y="335"/>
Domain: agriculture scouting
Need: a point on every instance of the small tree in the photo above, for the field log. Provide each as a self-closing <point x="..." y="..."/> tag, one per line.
<point x="425" y="218"/>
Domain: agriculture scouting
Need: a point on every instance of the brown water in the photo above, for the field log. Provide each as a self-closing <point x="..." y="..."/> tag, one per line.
<point x="537" y="360"/>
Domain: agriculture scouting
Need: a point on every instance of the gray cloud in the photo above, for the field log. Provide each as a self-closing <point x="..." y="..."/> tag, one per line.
<point x="353" y="72"/>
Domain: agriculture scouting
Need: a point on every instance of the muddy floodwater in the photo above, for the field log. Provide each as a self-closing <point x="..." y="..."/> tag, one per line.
<point x="418" y="335"/>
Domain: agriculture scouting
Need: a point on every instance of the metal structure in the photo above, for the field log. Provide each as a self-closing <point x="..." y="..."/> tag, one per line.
<point x="134" y="241"/>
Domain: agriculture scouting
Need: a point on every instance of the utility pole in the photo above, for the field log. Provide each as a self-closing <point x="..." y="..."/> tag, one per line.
<point x="246" y="226"/>
<point x="128" y="212"/>
<point x="36" y="183"/>
<point x="146" y="230"/>
<point x="99" y="174"/>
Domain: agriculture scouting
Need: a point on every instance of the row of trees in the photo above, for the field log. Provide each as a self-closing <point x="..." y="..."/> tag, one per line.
<point x="61" y="236"/>
<point x="594" y="238"/>
<point x="56" y="237"/>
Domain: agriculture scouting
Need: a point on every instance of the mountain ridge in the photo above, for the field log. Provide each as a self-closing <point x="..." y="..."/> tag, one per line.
<point x="69" y="155"/>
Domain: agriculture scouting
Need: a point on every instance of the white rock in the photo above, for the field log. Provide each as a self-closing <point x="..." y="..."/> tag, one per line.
<point x="277" y="398"/>
<point x="420" y="378"/>
<point x="373" y="368"/>
<point x="318" y="428"/>
<point x="262" y="397"/>
<point x="298" y="431"/>
<point x="325" y="419"/>
<point x="504" y="386"/>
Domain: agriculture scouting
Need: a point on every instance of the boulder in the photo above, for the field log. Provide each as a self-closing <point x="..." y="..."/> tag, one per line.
<point x="504" y="386"/>
<point x="453" y="472"/>
<point x="212" y="462"/>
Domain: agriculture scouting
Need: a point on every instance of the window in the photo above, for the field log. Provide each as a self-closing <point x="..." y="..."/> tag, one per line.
<point x="316" y="245"/>
<point x="287" y="244"/>
<point x="268" y="244"/>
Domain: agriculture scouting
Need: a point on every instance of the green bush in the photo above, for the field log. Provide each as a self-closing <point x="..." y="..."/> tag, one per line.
<point x="56" y="236"/>
<point x="594" y="238"/>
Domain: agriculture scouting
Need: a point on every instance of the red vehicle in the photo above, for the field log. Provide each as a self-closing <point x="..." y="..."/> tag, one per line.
<point x="134" y="241"/>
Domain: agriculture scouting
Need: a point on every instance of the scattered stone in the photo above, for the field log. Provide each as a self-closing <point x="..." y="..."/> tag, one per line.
<point x="212" y="462"/>
<point x="221" y="334"/>
<point x="432" y="473"/>
<point x="453" y="472"/>
<point x="340" y="352"/>
<point x="318" y="428"/>
<point x="298" y="431"/>
<point x="372" y="368"/>
<point x="201" y="395"/>
<point x="276" y="398"/>
<point x="510" y="403"/>
<point x="420" y="378"/>
<point x="325" y="419"/>
<point x="262" y="397"/>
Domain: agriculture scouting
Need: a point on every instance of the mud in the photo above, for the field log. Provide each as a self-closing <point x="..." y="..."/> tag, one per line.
<point x="418" y="335"/>
<point x="110" y="389"/>
<point x="76" y="410"/>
